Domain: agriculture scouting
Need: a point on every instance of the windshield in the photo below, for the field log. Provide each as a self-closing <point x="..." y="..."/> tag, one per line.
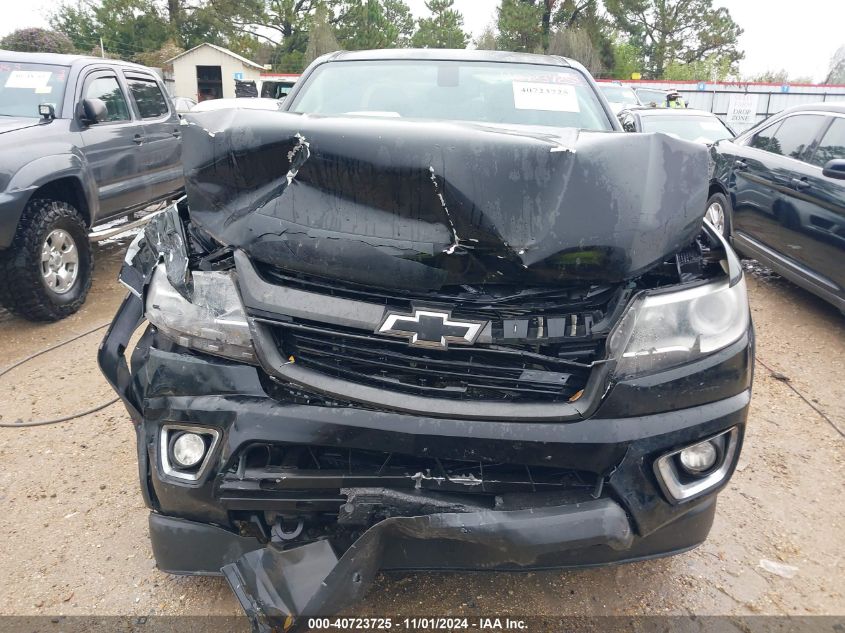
<point x="652" y="96"/>
<point x="521" y="94"/>
<point x="23" y="87"/>
<point x="700" y="129"/>
<point x="618" y="94"/>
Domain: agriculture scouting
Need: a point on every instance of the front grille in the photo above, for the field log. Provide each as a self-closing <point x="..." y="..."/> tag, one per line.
<point x="307" y="468"/>
<point x="550" y="372"/>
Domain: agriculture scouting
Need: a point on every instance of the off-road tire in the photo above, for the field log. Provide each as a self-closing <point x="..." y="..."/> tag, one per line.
<point x="22" y="287"/>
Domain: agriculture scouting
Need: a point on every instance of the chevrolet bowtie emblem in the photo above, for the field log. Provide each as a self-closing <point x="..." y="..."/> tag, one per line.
<point x="431" y="328"/>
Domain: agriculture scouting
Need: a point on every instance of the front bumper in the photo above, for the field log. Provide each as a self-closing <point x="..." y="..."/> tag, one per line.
<point x="206" y="526"/>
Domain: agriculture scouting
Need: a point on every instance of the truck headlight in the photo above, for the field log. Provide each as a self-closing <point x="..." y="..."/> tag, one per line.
<point x="212" y="321"/>
<point x="665" y="329"/>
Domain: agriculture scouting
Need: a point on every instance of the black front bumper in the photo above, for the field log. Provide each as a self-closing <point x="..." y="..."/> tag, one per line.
<point x="199" y="527"/>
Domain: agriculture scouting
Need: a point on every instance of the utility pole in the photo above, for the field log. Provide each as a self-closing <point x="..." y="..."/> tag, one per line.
<point x="102" y="50"/>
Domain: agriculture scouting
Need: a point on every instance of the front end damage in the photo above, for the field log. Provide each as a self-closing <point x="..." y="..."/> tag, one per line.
<point x="430" y="347"/>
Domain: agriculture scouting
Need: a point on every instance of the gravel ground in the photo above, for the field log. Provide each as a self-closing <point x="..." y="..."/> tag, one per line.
<point x="75" y="534"/>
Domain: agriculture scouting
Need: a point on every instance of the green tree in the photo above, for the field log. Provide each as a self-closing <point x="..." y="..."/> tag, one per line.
<point x="399" y="14"/>
<point x="520" y="26"/>
<point x="576" y="44"/>
<point x="127" y="27"/>
<point x="710" y="69"/>
<point x="363" y="24"/>
<point x="627" y="59"/>
<point x="683" y="31"/>
<point x="445" y="29"/>
<point x="487" y="40"/>
<point x="37" y="41"/>
<point x="321" y="39"/>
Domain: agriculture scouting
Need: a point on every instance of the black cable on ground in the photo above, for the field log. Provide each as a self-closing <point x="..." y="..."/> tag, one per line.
<point x="67" y="418"/>
<point x="784" y="379"/>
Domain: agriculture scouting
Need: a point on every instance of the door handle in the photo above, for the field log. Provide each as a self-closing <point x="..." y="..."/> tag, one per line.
<point x="175" y="134"/>
<point x="138" y="139"/>
<point x="740" y="165"/>
<point x="799" y="184"/>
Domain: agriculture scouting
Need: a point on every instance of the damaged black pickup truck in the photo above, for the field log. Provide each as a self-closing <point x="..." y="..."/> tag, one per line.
<point x="438" y="314"/>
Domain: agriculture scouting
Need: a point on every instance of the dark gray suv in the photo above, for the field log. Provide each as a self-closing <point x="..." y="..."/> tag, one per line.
<point x="82" y="140"/>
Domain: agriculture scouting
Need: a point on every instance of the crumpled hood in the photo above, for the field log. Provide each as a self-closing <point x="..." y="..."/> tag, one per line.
<point x="13" y="124"/>
<point x="422" y="205"/>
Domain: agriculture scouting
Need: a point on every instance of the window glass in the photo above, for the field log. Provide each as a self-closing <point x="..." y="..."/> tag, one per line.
<point x="699" y="129"/>
<point x="24" y="87"/>
<point x="832" y="145"/>
<point x="618" y="94"/>
<point x="763" y="138"/>
<point x="795" y="135"/>
<point x="525" y="94"/>
<point x="108" y="91"/>
<point x="151" y="103"/>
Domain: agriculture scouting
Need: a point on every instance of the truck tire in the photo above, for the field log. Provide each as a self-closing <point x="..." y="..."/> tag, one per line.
<point x="46" y="273"/>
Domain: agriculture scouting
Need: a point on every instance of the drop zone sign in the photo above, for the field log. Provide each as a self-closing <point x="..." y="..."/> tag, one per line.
<point x="742" y="110"/>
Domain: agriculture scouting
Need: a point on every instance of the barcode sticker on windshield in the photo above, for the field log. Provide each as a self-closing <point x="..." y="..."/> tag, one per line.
<point x="27" y="79"/>
<point x="530" y="95"/>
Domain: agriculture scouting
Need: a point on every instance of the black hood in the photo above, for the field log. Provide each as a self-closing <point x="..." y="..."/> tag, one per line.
<point x="423" y="205"/>
<point x="15" y="123"/>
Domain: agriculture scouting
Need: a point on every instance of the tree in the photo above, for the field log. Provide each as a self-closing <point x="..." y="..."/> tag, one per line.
<point x="713" y="68"/>
<point x="159" y="58"/>
<point x="487" y="40"/>
<point x="627" y="59"/>
<point x="363" y="24"/>
<point x="520" y="26"/>
<point x="127" y="27"/>
<point x="836" y="74"/>
<point x="445" y="29"/>
<point x="321" y="39"/>
<point x="683" y="31"/>
<point x="37" y="41"/>
<point x="399" y="14"/>
<point x="576" y="44"/>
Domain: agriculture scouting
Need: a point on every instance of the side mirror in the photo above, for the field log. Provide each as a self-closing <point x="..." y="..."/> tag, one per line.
<point x="835" y="169"/>
<point x="93" y="111"/>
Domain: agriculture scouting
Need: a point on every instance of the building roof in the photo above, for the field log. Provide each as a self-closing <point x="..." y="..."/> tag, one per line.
<point x="220" y="49"/>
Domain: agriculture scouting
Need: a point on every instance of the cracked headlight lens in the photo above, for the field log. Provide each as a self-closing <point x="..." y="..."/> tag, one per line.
<point x="662" y="330"/>
<point x="213" y="321"/>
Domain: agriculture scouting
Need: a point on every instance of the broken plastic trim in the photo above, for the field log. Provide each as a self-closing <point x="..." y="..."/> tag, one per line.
<point x="162" y="240"/>
<point x="279" y="590"/>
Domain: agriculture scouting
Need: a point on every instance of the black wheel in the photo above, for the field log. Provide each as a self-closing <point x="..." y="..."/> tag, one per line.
<point x="719" y="214"/>
<point x="45" y="274"/>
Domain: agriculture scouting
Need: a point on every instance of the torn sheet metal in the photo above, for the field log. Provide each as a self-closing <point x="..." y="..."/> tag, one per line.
<point x="279" y="590"/>
<point x="423" y="205"/>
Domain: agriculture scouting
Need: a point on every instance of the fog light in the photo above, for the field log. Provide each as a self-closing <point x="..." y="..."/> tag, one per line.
<point x="188" y="450"/>
<point x="699" y="458"/>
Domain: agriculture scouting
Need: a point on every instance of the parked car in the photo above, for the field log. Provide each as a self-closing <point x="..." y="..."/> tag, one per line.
<point x="698" y="126"/>
<point x="652" y="97"/>
<point x="779" y="191"/>
<point x="245" y="103"/>
<point x="82" y="140"/>
<point x="183" y="104"/>
<point x="619" y="96"/>
<point x="481" y="332"/>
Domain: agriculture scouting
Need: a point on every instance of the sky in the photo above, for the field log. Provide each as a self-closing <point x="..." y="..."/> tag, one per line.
<point x="777" y="34"/>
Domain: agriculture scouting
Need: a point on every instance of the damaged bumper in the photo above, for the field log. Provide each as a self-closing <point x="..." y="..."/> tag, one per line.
<point x="364" y="490"/>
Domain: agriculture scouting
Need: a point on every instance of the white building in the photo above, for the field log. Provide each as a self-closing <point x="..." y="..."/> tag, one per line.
<point x="208" y="71"/>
